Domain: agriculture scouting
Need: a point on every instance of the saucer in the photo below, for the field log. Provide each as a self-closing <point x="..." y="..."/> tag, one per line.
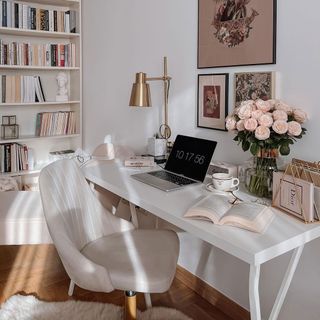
<point x="211" y="188"/>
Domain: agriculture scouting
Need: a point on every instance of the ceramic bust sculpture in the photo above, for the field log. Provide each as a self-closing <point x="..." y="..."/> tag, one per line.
<point x="62" y="81"/>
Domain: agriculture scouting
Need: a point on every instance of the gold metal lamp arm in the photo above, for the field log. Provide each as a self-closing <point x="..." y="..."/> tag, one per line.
<point x="164" y="130"/>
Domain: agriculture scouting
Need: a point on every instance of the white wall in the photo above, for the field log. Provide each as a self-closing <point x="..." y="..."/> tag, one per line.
<point x="124" y="37"/>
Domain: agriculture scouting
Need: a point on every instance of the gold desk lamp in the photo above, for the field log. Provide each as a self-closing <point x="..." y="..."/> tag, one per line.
<point x="140" y="96"/>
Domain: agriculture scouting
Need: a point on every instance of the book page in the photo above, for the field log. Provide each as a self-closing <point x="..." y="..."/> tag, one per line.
<point x="251" y="216"/>
<point x="212" y="208"/>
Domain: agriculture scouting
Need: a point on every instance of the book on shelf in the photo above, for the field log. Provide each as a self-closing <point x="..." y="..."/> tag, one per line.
<point x="218" y="210"/>
<point x="21" y="89"/>
<point x="22" y="16"/>
<point x="139" y="161"/>
<point x="13" y="157"/>
<point x="55" y="123"/>
<point x="40" y="55"/>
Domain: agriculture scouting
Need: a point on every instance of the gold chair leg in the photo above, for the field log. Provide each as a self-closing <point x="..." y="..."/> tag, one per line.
<point x="130" y="309"/>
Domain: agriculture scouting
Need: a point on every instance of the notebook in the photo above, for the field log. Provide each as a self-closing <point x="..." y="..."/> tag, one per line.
<point x="187" y="164"/>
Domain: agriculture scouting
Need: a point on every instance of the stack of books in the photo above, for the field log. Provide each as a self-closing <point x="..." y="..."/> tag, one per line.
<point x="22" y="16"/>
<point x="48" y="55"/>
<point x="55" y="123"/>
<point x="13" y="157"/>
<point x="21" y="89"/>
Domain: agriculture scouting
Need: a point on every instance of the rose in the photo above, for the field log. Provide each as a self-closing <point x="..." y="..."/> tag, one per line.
<point x="294" y="128"/>
<point x="273" y="103"/>
<point x="245" y="110"/>
<point x="235" y="111"/>
<point x="262" y="133"/>
<point x="256" y="114"/>
<point x="240" y="125"/>
<point x="284" y="107"/>
<point x="231" y="123"/>
<point x="265" y="120"/>
<point x="262" y="105"/>
<point x="280" y="126"/>
<point x="250" y="124"/>
<point x="280" y="115"/>
<point x="299" y="115"/>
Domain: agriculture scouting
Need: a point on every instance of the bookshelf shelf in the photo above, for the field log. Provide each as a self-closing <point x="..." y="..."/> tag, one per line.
<point x="32" y="104"/>
<point x="22" y="173"/>
<point x="37" y="33"/>
<point x="4" y="67"/>
<point x="62" y="3"/>
<point x="29" y="138"/>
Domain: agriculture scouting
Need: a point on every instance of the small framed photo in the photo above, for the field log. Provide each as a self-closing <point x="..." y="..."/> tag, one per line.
<point x="9" y="132"/>
<point x="5" y="120"/>
<point x="253" y="85"/>
<point x="212" y="101"/>
<point x="12" y="120"/>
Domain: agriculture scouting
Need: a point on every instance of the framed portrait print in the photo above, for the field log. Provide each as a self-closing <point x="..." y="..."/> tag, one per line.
<point x="236" y="32"/>
<point x="212" y="100"/>
<point x="253" y="85"/>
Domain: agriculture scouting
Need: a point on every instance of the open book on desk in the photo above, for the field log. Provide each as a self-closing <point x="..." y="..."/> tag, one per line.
<point x="246" y="215"/>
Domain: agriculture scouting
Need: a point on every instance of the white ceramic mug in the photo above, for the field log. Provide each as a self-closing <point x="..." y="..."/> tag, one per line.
<point x="224" y="181"/>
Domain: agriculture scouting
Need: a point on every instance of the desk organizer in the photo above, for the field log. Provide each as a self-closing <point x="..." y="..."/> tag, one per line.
<point x="297" y="190"/>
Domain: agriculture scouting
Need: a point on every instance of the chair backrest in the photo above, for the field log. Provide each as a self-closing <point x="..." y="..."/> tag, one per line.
<point x="75" y="217"/>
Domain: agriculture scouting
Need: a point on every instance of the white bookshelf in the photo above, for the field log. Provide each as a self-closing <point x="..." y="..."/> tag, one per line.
<point x="26" y="112"/>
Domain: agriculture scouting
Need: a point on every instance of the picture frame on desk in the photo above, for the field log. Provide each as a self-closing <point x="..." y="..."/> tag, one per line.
<point x="212" y="106"/>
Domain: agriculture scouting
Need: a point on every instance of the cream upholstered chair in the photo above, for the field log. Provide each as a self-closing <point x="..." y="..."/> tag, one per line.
<point x="100" y="251"/>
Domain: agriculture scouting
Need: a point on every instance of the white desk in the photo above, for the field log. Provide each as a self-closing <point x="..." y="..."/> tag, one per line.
<point x="284" y="234"/>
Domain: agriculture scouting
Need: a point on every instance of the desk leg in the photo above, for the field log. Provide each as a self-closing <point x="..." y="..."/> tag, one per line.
<point x="134" y="216"/>
<point x="286" y="282"/>
<point x="255" y="313"/>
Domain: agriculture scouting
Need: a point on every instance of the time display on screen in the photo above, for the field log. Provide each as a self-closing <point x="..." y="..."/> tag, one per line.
<point x="191" y="157"/>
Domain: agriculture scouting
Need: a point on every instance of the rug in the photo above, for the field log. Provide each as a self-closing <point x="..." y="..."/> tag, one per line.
<point x="20" y="307"/>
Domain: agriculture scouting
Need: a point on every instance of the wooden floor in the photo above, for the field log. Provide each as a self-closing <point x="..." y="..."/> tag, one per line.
<point x="38" y="270"/>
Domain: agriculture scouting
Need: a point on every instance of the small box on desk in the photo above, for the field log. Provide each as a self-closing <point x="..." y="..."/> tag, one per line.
<point x="157" y="147"/>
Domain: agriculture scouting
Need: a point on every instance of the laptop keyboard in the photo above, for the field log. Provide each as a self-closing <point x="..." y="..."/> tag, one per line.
<point x="164" y="175"/>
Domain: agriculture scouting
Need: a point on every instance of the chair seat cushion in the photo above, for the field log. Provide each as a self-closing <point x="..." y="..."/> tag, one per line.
<point x="138" y="260"/>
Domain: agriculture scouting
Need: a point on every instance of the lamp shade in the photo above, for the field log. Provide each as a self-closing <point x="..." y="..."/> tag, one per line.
<point x="140" y="94"/>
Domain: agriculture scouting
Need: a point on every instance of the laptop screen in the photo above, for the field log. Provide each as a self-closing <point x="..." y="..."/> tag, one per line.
<point x="191" y="157"/>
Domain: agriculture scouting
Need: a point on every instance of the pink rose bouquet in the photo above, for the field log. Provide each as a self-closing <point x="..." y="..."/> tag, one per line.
<point x="261" y="125"/>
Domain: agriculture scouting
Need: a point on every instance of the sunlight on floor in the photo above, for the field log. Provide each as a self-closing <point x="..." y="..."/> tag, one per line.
<point x="24" y="275"/>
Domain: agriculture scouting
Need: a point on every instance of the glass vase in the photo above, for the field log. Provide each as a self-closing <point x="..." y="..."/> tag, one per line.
<point x="259" y="178"/>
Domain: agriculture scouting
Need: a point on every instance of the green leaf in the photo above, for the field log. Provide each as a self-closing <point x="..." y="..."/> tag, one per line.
<point x="254" y="149"/>
<point x="284" y="150"/>
<point x="245" y="145"/>
<point x="236" y="138"/>
<point x="269" y="141"/>
<point x="252" y="139"/>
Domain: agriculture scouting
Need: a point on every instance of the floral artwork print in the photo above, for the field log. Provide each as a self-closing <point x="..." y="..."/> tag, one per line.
<point x="233" y="22"/>
<point x="253" y="86"/>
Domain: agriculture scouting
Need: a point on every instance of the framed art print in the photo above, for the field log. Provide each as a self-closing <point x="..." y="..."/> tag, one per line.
<point x="212" y="100"/>
<point x="236" y="32"/>
<point x="253" y="85"/>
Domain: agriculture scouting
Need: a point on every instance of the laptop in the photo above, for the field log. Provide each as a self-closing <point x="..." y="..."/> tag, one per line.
<point x="187" y="164"/>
